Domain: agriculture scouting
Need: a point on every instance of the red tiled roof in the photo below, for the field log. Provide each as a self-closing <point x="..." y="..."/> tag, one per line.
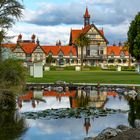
<point x="86" y="15"/>
<point x="86" y="29"/>
<point x="67" y="49"/>
<point x="28" y="96"/>
<point x="75" y="34"/>
<point x="112" y="93"/>
<point x="55" y="93"/>
<point x="116" y="50"/>
<point x="9" y="45"/>
<point x="101" y="31"/>
<point x="28" y="47"/>
<point x="56" y="49"/>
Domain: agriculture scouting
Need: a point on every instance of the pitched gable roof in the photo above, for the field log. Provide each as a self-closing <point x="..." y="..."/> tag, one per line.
<point x="56" y="49"/>
<point x="9" y="45"/>
<point x="116" y="50"/>
<point x="75" y="33"/>
<point x="28" y="47"/>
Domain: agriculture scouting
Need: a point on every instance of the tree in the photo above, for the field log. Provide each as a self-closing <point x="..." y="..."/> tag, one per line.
<point x="49" y="60"/>
<point x="126" y="48"/>
<point x="134" y="37"/>
<point x="12" y="75"/>
<point x="82" y="41"/>
<point x="10" y="11"/>
<point x="12" y="125"/>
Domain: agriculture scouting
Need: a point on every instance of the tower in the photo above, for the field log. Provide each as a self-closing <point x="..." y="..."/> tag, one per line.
<point x="86" y="17"/>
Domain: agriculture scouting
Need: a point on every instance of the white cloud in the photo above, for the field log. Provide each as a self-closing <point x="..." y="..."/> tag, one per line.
<point x="52" y="22"/>
<point x="46" y="34"/>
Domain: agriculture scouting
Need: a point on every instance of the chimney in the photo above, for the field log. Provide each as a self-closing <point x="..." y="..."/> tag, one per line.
<point x="33" y="38"/>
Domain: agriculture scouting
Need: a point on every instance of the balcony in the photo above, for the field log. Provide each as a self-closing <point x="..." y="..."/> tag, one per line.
<point x="102" y="57"/>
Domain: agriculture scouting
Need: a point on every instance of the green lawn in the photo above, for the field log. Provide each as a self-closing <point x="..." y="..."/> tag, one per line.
<point x="108" y="77"/>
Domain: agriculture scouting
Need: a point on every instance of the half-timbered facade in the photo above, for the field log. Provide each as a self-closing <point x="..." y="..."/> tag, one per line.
<point x="117" y="56"/>
<point x="31" y="51"/>
<point x="96" y="52"/>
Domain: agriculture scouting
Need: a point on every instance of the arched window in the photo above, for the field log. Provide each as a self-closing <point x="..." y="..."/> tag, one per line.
<point x="122" y="55"/>
<point x="112" y="55"/>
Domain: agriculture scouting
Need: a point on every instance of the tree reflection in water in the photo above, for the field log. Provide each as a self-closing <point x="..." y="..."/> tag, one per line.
<point x="12" y="125"/>
<point x="83" y="99"/>
<point x="134" y="112"/>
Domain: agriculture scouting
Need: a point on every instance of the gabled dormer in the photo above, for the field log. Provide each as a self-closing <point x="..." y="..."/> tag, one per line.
<point x="112" y="54"/>
<point x="60" y="54"/>
<point x="122" y="54"/>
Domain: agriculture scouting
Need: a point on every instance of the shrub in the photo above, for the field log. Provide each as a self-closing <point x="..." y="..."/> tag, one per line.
<point x="112" y="67"/>
<point x="69" y="68"/>
<point x="127" y="68"/>
<point x="12" y="72"/>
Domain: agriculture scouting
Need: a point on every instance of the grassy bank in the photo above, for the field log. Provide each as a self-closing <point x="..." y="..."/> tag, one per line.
<point x="109" y="77"/>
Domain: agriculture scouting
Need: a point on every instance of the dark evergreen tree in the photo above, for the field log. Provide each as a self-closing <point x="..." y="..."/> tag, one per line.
<point x="134" y="37"/>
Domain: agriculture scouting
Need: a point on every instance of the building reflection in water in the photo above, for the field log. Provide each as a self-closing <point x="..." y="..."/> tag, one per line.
<point x="42" y="100"/>
<point x="87" y="125"/>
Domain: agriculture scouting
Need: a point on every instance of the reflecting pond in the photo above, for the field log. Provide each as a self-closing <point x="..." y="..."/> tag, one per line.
<point x="34" y="101"/>
<point x="73" y="128"/>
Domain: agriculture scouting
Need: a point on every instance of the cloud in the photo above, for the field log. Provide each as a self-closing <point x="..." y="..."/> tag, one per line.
<point x="46" y="34"/>
<point x="55" y="14"/>
<point x="52" y="22"/>
<point x="102" y="12"/>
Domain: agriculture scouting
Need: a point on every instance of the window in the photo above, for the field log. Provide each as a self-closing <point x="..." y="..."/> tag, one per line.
<point x="112" y="55"/>
<point x="28" y="55"/>
<point x="88" y="52"/>
<point x="71" y="56"/>
<point x="122" y="55"/>
<point x="101" y="52"/>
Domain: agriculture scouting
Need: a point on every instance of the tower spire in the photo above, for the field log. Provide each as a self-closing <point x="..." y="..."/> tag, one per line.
<point x="86" y="17"/>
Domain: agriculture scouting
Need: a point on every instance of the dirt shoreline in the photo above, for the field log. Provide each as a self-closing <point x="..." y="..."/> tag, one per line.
<point x="131" y="134"/>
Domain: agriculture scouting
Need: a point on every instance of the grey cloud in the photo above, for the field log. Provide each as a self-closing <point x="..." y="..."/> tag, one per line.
<point x="113" y="12"/>
<point x="59" y="14"/>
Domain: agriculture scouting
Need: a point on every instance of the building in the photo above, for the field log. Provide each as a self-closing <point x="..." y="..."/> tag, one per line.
<point x="96" y="52"/>
<point x="32" y="51"/>
<point x="117" y="56"/>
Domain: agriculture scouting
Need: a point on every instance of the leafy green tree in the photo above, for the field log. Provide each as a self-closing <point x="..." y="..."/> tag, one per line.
<point x="49" y="59"/>
<point x="7" y="100"/>
<point x="10" y="11"/>
<point x="12" y="75"/>
<point x="134" y="37"/>
<point x="82" y="41"/>
<point x="126" y="48"/>
<point x="12" y="126"/>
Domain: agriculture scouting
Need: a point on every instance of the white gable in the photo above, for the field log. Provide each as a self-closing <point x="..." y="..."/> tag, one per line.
<point x="93" y="33"/>
<point x="18" y="49"/>
<point x="38" y="50"/>
<point x="60" y="53"/>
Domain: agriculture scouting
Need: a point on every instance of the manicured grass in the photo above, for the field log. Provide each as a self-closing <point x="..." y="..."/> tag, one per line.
<point x="108" y="77"/>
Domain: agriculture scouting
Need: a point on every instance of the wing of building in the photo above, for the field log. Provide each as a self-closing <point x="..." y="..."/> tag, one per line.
<point x="97" y="53"/>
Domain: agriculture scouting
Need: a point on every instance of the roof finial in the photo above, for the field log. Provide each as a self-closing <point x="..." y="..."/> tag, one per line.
<point x="114" y="44"/>
<point x="37" y="41"/>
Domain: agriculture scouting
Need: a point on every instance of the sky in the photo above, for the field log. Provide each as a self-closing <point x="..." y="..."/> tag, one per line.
<point x="52" y="20"/>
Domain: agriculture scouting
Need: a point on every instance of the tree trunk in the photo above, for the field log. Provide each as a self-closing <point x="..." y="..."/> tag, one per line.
<point x="129" y="62"/>
<point x="0" y="52"/>
<point x="82" y="58"/>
